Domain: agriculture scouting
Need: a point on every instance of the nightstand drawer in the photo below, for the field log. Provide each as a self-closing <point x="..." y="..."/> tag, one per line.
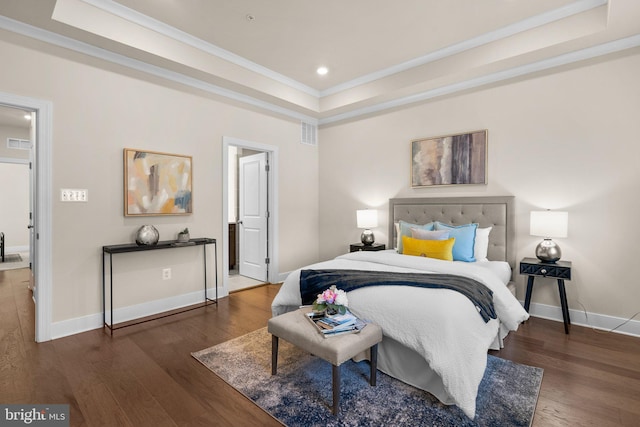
<point x="546" y="271"/>
<point x="556" y="271"/>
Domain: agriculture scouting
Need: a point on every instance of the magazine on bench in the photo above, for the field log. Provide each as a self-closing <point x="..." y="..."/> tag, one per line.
<point x="330" y="326"/>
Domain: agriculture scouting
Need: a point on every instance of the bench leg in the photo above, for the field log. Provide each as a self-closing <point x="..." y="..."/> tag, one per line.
<point x="374" y="364"/>
<point x="274" y="354"/>
<point x="336" y="389"/>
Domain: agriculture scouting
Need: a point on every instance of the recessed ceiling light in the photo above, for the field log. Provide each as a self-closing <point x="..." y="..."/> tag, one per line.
<point x="322" y="70"/>
<point x="27" y="116"/>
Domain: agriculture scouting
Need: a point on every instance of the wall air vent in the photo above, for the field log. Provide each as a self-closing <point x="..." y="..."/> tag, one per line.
<point x="309" y="134"/>
<point x="19" y="144"/>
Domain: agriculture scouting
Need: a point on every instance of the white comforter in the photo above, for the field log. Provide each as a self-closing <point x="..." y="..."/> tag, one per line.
<point x="442" y="325"/>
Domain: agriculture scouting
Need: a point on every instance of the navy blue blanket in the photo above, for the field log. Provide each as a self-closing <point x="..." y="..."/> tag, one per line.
<point x="314" y="282"/>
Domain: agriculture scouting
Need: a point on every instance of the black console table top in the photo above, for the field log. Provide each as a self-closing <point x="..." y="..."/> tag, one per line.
<point x="164" y="244"/>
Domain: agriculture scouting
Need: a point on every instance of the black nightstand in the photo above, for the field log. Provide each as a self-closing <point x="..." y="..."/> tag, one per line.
<point x="355" y="247"/>
<point x="560" y="270"/>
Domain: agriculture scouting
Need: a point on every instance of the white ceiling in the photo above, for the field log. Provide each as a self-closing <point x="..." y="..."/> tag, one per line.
<point x="380" y="54"/>
<point x="352" y="38"/>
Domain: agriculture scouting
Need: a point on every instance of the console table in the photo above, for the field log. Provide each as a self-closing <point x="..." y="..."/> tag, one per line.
<point x="110" y="250"/>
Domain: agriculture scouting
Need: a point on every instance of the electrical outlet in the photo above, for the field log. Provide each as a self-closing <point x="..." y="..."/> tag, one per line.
<point x="73" y="195"/>
<point x="166" y="273"/>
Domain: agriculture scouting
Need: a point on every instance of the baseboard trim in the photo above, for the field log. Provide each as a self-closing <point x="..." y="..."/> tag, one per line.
<point x="233" y="291"/>
<point x="90" y="322"/>
<point x="590" y="320"/>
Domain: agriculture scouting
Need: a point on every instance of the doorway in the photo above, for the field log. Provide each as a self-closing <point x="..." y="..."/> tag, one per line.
<point x="14" y="215"/>
<point x="249" y="214"/>
<point x="40" y="198"/>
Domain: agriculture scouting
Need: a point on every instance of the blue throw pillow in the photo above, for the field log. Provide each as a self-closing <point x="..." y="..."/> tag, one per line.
<point x="404" y="229"/>
<point x="465" y="236"/>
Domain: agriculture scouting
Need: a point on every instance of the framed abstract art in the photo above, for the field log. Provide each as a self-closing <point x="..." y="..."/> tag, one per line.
<point x="449" y="160"/>
<point x="157" y="183"/>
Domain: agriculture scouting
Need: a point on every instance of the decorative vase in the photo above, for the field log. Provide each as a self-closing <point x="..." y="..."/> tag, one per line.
<point x="330" y="311"/>
<point x="147" y="235"/>
<point x="183" y="237"/>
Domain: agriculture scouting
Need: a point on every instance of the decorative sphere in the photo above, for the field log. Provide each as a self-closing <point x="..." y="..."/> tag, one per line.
<point x="147" y="235"/>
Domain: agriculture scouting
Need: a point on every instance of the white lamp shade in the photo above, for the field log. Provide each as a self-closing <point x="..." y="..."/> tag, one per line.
<point x="549" y="223"/>
<point x="367" y="218"/>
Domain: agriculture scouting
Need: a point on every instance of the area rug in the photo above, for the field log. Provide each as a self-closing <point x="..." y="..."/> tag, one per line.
<point x="301" y="394"/>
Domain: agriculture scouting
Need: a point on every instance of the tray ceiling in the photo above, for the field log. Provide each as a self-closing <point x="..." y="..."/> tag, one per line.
<point x="380" y="55"/>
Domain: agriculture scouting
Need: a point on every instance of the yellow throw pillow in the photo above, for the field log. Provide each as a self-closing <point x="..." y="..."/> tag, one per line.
<point x="439" y="249"/>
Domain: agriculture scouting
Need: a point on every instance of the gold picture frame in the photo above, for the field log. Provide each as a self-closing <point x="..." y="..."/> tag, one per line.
<point x="157" y="183"/>
<point x="449" y="160"/>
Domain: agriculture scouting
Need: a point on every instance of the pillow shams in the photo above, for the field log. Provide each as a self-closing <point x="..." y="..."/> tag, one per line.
<point x="439" y="249"/>
<point x="419" y="233"/>
<point x="481" y="247"/>
<point x="404" y="229"/>
<point x="465" y="236"/>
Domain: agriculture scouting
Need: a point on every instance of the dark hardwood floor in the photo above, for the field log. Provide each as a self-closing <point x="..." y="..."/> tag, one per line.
<point x="145" y="376"/>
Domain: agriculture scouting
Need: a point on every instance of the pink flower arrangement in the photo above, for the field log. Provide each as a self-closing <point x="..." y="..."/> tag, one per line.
<point x="332" y="299"/>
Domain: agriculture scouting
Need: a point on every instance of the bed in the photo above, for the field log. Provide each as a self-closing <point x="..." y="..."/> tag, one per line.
<point x="434" y="339"/>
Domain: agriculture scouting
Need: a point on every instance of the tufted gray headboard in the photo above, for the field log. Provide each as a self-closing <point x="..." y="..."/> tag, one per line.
<point x="496" y="212"/>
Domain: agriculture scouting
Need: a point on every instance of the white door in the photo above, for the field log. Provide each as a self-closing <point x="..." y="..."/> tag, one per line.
<point x="253" y="214"/>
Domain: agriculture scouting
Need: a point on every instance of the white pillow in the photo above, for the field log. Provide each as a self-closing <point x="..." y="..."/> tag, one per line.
<point x="481" y="245"/>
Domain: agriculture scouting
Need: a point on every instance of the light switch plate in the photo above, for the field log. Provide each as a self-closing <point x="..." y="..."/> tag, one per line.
<point x="73" y="195"/>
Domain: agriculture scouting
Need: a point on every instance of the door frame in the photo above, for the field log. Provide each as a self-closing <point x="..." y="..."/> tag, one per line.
<point x="42" y="207"/>
<point x="272" y="243"/>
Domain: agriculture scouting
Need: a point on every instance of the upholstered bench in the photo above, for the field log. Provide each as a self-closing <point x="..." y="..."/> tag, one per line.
<point x="294" y="328"/>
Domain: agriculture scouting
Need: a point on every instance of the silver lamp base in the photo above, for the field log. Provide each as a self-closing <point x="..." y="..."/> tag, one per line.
<point x="548" y="251"/>
<point x="367" y="237"/>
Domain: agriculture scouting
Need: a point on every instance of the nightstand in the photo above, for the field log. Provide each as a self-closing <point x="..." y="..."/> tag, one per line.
<point x="560" y="270"/>
<point x="355" y="247"/>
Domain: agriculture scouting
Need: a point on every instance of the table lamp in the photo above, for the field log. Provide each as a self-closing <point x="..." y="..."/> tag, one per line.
<point x="549" y="224"/>
<point x="367" y="218"/>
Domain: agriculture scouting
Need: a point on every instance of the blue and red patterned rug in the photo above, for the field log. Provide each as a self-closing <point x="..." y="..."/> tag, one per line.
<point x="300" y="394"/>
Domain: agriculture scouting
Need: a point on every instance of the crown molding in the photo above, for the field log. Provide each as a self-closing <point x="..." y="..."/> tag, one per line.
<point x="103" y="54"/>
<point x="534" y="67"/>
<point x="152" y="24"/>
<point x="492" y="36"/>
<point x="149" y="23"/>
<point x="96" y="52"/>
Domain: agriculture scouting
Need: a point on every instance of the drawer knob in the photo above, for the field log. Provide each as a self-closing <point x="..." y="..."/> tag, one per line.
<point x="543" y="271"/>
